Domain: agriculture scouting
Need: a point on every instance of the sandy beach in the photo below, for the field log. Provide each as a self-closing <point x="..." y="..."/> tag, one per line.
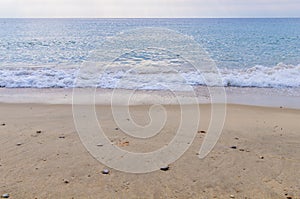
<point x="257" y="155"/>
<point x="166" y="99"/>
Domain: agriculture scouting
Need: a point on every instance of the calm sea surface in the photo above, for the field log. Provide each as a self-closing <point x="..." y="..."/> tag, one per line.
<point x="46" y="53"/>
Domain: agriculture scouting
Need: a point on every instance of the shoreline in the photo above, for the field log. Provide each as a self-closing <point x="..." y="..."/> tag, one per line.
<point x="262" y="97"/>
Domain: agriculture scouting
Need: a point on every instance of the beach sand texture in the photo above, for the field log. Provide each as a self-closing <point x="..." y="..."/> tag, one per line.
<point x="53" y="163"/>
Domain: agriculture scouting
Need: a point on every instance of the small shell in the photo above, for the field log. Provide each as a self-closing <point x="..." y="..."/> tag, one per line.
<point x="6" y="195"/>
<point x="105" y="171"/>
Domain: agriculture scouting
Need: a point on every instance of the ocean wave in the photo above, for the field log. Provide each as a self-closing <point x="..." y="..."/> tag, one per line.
<point x="279" y="76"/>
<point x="37" y="77"/>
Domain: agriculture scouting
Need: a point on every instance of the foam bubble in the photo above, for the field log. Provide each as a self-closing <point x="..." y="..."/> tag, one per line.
<point x="279" y="76"/>
<point x="151" y="77"/>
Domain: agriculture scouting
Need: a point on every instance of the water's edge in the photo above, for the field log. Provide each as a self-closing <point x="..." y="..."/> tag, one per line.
<point x="265" y="97"/>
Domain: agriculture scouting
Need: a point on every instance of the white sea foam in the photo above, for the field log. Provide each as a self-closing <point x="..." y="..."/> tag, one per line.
<point x="38" y="77"/>
<point x="151" y="78"/>
<point x="279" y="76"/>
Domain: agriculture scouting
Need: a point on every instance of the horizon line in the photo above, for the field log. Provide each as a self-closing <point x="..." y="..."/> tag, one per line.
<point x="212" y="17"/>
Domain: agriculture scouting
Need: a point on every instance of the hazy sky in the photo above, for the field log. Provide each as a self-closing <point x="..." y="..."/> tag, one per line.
<point x="149" y="8"/>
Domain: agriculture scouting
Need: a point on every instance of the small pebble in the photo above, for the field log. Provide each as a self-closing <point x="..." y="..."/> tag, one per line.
<point x="99" y="145"/>
<point x="66" y="181"/>
<point x="38" y="132"/>
<point x="19" y="144"/>
<point x="6" y="195"/>
<point x="289" y="197"/>
<point x="3" y="124"/>
<point x="123" y="144"/>
<point x="116" y="129"/>
<point x="203" y="132"/>
<point x="232" y="196"/>
<point x="166" y="168"/>
<point x="105" y="171"/>
<point x="242" y="149"/>
<point x="61" y="137"/>
<point x="233" y="147"/>
<point x="261" y="157"/>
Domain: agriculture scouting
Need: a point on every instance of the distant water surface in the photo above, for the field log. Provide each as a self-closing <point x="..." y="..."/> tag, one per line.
<point x="44" y="53"/>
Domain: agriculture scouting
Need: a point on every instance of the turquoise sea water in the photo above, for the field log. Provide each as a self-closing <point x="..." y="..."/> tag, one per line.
<point x="46" y="53"/>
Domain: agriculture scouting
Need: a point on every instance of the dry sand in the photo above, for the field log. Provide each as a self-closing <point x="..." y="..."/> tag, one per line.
<point x="55" y="164"/>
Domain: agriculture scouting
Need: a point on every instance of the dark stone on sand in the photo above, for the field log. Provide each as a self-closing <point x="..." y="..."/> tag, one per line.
<point x="166" y="168"/>
<point x="3" y="124"/>
<point x="66" y="181"/>
<point x="61" y="137"/>
<point x="261" y="157"/>
<point x="38" y="132"/>
<point x="19" y="144"/>
<point x="116" y="129"/>
<point x="233" y="147"/>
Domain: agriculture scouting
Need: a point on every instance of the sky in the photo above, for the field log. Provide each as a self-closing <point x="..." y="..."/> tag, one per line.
<point x="149" y="8"/>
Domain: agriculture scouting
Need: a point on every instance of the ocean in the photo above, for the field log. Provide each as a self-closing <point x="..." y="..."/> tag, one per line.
<point x="48" y="53"/>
